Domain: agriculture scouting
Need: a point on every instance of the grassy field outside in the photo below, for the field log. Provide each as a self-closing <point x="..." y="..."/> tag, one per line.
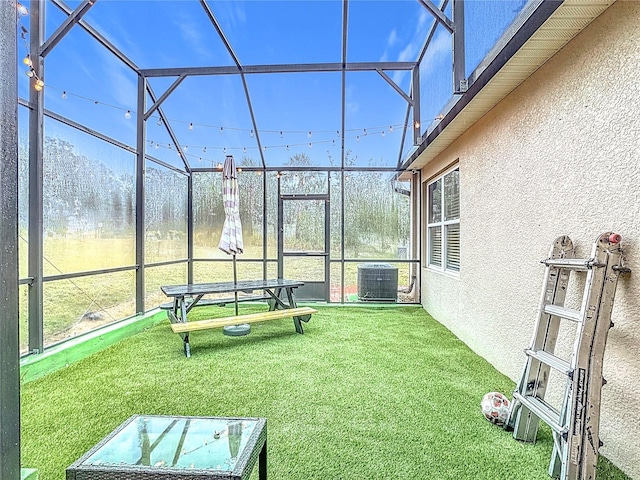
<point x="76" y="305"/>
<point x="366" y="393"/>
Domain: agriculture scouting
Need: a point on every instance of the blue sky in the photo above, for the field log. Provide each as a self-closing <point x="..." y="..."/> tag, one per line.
<point x="165" y="33"/>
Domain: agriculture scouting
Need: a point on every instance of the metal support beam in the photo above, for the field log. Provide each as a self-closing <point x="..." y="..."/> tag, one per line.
<point x="343" y="113"/>
<point x="395" y="86"/>
<point x="190" y="229"/>
<point x="279" y="68"/>
<point x="164" y="96"/>
<point x="240" y="70"/>
<point x="36" y="147"/>
<point x="94" y="33"/>
<point x="67" y="25"/>
<point x="459" y="76"/>
<point x="437" y="13"/>
<point x="140" y="193"/>
<point x="432" y="32"/>
<point x="165" y="121"/>
<point x="9" y="336"/>
<point x="415" y="92"/>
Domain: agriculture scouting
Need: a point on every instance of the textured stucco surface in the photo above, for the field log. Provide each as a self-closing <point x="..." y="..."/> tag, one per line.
<point x="559" y="155"/>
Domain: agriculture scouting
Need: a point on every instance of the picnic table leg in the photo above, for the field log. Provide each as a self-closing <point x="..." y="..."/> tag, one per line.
<point x="292" y="304"/>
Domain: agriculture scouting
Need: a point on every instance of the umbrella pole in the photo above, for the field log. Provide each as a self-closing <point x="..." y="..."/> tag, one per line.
<point x="235" y="281"/>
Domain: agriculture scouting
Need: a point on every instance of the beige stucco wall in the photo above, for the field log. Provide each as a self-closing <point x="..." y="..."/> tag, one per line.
<point x="560" y="155"/>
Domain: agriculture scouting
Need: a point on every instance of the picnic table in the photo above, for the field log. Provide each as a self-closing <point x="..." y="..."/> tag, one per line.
<point x="278" y="292"/>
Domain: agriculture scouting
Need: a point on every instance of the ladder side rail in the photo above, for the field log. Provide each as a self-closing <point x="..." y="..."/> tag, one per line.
<point x="580" y="395"/>
<point x="591" y="439"/>
<point x="524" y="422"/>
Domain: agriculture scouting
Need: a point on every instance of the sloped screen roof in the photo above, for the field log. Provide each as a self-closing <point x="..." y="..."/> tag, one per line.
<point x="335" y="116"/>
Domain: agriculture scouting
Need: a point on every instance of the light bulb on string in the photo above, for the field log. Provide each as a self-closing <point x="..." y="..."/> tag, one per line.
<point x="244" y="149"/>
<point x="338" y="132"/>
<point x="309" y="144"/>
<point x="169" y="146"/>
<point x="22" y="10"/>
<point x="191" y="126"/>
<point x="309" y="134"/>
<point x="29" y="73"/>
<point x="251" y="134"/>
<point x="390" y="128"/>
<point x="357" y="138"/>
<point x="186" y="148"/>
<point x="221" y="130"/>
<point x="224" y="150"/>
<point x="365" y="131"/>
<point x="204" y="149"/>
<point x="127" y="115"/>
<point x="416" y="124"/>
<point x="280" y="133"/>
<point x="64" y="95"/>
<point x="157" y="146"/>
<point x="27" y="61"/>
<point x="287" y="148"/>
<point x="159" y="122"/>
<point x="382" y="133"/>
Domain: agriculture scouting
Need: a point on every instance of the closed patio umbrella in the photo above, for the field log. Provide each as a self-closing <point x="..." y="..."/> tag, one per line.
<point x="231" y="239"/>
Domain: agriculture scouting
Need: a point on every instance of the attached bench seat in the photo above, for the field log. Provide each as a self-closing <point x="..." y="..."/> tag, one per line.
<point x="298" y="313"/>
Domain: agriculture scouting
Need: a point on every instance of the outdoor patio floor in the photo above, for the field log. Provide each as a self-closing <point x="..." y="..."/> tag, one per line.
<point x="366" y="393"/>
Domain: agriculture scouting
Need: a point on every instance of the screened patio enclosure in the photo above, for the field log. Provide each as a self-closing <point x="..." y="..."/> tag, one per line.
<point x="320" y="103"/>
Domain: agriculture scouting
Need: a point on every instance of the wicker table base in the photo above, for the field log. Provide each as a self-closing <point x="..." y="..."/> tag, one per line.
<point x="150" y="447"/>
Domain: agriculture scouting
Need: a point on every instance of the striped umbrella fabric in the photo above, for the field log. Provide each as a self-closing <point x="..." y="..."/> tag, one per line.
<point x="231" y="239"/>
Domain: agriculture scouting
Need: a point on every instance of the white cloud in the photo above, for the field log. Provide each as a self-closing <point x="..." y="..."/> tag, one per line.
<point x="439" y="46"/>
<point x="393" y="38"/>
<point x="194" y="36"/>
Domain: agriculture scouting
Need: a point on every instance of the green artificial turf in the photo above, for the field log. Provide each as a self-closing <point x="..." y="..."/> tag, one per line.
<point x="365" y="393"/>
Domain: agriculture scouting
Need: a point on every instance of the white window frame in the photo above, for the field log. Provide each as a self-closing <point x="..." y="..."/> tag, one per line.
<point x="443" y="224"/>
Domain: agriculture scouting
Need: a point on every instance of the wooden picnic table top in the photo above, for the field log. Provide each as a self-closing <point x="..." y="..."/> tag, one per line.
<point x="224" y="287"/>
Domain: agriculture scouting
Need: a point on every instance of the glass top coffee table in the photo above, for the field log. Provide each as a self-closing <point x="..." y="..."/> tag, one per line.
<point x="177" y="448"/>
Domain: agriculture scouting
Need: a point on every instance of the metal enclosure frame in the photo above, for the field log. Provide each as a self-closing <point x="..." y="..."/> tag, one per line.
<point x="41" y="47"/>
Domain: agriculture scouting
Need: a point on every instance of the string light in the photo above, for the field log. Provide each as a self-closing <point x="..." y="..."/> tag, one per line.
<point x="38" y="84"/>
<point x="159" y="122"/>
<point x="22" y="10"/>
<point x="127" y="115"/>
<point x="221" y="130"/>
<point x="64" y="95"/>
<point x="204" y="149"/>
<point x="191" y="126"/>
<point x="186" y="148"/>
<point x="251" y="134"/>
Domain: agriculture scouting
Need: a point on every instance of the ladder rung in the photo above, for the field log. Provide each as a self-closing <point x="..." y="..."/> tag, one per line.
<point x="542" y="410"/>
<point x="562" y="312"/>
<point x="549" y="359"/>
<point x="580" y="264"/>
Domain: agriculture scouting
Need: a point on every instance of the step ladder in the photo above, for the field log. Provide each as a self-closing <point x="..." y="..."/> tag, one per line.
<point x="575" y="425"/>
